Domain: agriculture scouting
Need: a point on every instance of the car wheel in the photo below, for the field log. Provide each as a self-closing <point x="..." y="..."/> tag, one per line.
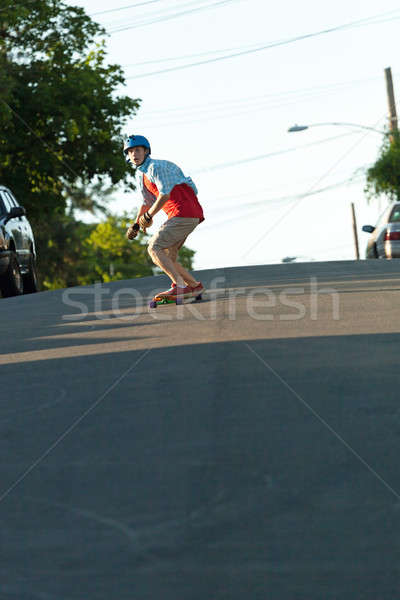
<point x="11" y="283"/>
<point x="31" y="284"/>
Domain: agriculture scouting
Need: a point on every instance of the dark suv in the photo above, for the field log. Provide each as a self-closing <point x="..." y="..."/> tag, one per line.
<point x="17" y="248"/>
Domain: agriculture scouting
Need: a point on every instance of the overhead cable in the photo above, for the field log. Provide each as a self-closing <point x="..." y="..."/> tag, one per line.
<point x="300" y="199"/>
<point x="242" y="161"/>
<point x="167" y="17"/>
<point x="262" y="205"/>
<point x="110" y="10"/>
<point x="268" y="46"/>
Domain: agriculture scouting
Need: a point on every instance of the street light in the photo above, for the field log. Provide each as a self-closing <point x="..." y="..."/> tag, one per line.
<point x="296" y="127"/>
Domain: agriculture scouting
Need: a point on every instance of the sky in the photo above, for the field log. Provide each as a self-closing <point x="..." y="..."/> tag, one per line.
<point x="220" y="83"/>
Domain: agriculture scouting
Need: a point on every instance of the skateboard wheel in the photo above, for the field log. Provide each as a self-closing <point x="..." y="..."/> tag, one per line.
<point x="179" y="301"/>
<point x="153" y="304"/>
<point x="198" y="298"/>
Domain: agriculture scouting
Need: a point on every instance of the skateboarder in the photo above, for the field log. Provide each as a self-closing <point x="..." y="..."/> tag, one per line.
<point x="164" y="187"/>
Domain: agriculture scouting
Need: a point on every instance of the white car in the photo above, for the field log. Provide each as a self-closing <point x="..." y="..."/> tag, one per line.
<point x="385" y="236"/>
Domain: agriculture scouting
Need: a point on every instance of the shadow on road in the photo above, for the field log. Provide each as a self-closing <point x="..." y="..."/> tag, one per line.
<point x="250" y="469"/>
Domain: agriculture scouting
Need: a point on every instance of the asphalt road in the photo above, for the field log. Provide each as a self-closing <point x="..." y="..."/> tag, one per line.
<point x="242" y="448"/>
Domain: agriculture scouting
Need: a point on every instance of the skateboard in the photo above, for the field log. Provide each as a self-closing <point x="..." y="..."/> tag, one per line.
<point x="161" y="300"/>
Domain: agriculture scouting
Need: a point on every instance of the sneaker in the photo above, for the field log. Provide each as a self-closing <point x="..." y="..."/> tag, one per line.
<point x="198" y="289"/>
<point x="183" y="292"/>
<point x="170" y="292"/>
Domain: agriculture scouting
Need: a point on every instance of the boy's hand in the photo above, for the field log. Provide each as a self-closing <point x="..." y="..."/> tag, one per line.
<point x="145" y="221"/>
<point x="132" y="231"/>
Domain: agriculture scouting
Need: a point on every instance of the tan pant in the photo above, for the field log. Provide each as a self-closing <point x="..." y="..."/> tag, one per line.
<point x="173" y="233"/>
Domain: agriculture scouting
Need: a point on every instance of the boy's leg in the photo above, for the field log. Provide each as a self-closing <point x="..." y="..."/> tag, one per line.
<point x="165" y="244"/>
<point x="166" y="260"/>
<point x="160" y="257"/>
<point x="186" y="276"/>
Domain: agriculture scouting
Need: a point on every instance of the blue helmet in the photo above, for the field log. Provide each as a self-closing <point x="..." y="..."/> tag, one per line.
<point x="134" y="141"/>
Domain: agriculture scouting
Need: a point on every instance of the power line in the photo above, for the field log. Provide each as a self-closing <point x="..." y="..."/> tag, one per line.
<point x="222" y="104"/>
<point x="110" y="10"/>
<point x="258" y="204"/>
<point x="197" y="113"/>
<point x="167" y="17"/>
<point x="164" y="11"/>
<point x="269" y="201"/>
<point x="184" y="56"/>
<point x="220" y="113"/>
<point x="299" y="200"/>
<point x="357" y="23"/>
<point x="242" y="161"/>
<point x="264" y="194"/>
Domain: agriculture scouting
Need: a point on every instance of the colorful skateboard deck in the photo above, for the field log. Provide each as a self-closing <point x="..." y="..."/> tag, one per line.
<point x="161" y="300"/>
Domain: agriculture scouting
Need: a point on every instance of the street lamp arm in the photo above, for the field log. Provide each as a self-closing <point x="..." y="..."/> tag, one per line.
<point x="296" y="127"/>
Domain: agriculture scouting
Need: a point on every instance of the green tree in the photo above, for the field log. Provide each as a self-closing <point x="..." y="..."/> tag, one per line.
<point x="60" y="113"/>
<point x="61" y="261"/>
<point x="83" y="254"/>
<point x="113" y="257"/>
<point x="109" y="256"/>
<point x="185" y="257"/>
<point x="383" y="178"/>
<point x="61" y="118"/>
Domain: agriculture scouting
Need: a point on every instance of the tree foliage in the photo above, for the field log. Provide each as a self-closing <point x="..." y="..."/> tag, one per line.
<point x="60" y="114"/>
<point x="83" y="254"/>
<point x="61" y="118"/>
<point x="384" y="175"/>
<point x="110" y="256"/>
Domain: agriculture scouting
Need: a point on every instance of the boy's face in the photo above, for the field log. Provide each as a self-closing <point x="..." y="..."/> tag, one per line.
<point x="137" y="155"/>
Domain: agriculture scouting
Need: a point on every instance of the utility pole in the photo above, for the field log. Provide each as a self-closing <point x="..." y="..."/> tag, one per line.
<point x="393" y="125"/>
<point x="353" y="212"/>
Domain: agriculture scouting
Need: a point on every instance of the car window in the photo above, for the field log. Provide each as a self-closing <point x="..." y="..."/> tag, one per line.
<point x="3" y="206"/>
<point x="383" y="219"/>
<point x="11" y="199"/>
<point x="395" y="216"/>
<point x="7" y="201"/>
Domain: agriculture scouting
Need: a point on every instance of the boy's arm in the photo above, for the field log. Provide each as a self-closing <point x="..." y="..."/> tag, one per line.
<point x="141" y="212"/>
<point x="146" y="219"/>
<point x="158" y="204"/>
<point x="133" y="229"/>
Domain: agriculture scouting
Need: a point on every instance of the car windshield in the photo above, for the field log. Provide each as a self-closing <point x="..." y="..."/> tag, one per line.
<point x="383" y="219"/>
<point x="395" y="216"/>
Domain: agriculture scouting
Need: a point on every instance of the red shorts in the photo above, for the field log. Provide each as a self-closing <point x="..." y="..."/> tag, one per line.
<point x="183" y="202"/>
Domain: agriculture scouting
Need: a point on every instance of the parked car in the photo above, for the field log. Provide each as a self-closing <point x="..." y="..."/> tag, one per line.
<point x="17" y="248"/>
<point x="384" y="241"/>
